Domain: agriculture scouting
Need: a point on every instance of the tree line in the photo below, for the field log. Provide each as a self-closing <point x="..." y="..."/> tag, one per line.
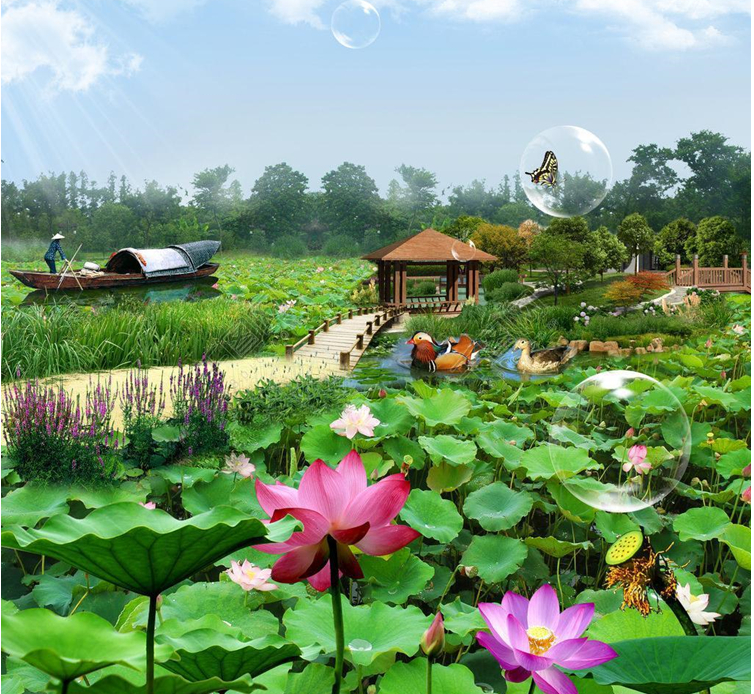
<point x="281" y="215"/>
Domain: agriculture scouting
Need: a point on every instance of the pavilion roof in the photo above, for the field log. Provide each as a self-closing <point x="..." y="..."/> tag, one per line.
<point x="426" y="246"/>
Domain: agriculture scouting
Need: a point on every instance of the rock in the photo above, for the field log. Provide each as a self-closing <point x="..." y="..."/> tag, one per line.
<point x="562" y="342"/>
<point x="640" y="350"/>
<point x="579" y="345"/>
<point x="611" y="346"/>
<point x="656" y="344"/>
<point x="625" y="351"/>
<point x="597" y="346"/>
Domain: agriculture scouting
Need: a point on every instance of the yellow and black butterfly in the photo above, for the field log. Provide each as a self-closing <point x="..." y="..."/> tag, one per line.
<point x="547" y="174"/>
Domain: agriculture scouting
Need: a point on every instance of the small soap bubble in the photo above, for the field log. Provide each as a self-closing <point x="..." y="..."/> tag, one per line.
<point x="355" y="24"/>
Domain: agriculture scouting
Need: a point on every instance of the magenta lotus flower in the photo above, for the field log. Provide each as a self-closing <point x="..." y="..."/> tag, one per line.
<point x="530" y="637"/>
<point x="636" y="460"/>
<point x="334" y="504"/>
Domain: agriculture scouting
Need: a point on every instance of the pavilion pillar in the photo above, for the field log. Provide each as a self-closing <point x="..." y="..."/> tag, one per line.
<point x="472" y="279"/>
<point x="399" y="283"/>
<point x="451" y="293"/>
<point x="383" y="281"/>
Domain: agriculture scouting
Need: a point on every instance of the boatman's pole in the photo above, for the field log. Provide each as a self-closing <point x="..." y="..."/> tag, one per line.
<point x="70" y="267"/>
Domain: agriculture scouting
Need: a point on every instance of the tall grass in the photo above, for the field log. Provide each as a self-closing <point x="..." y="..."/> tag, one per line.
<point x="42" y="341"/>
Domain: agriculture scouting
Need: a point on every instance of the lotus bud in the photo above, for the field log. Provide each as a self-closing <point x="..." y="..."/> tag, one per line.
<point x="372" y="689"/>
<point x="159" y="601"/>
<point x="746" y="472"/>
<point x="469" y="571"/>
<point x="655" y="436"/>
<point x="661" y="511"/>
<point x="723" y="375"/>
<point x="695" y="481"/>
<point x="433" y="640"/>
<point x="630" y="433"/>
<point x="383" y="393"/>
<point x="602" y="424"/>
<point x="717" y="456"/>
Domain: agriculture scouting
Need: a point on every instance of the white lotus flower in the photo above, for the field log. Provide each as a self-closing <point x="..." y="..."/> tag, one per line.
<point x="695" y="605"/>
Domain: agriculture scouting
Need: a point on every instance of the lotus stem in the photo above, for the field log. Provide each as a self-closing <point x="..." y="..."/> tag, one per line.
<point x="429" y="675"/>
<point x="64" y="686"/>
<point x="150" y="642"/>
<point x="337" y="614"/>
<point x="683" y="617"/>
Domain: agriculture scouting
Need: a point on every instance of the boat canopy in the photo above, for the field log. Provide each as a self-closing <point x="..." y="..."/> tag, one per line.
<point x="180" y="259"/>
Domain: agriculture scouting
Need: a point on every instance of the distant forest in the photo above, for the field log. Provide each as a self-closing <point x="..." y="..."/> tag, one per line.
<point x="282" y="216"/>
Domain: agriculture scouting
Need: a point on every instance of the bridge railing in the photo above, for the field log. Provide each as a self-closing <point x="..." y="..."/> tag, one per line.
<point x="337" y="319"/>
<point x="381" y="320"/>
<point x="724" y="278"/>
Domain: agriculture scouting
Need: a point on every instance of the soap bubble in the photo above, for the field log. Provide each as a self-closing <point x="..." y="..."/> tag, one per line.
<point x="355" y="24"/>
<point x="463" y="251"/>
<point x="630" y="431"/>
<point x="584" y="171"/>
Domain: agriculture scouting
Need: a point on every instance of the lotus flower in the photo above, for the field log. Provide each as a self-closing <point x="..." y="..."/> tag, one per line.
<point x="530" y="637"/>
<point x="151" y="505"/>
<point x="746" y="495"/>
<point x="636" y="459"/>
<point x="249" y="576"/>
<point x="695" y="605"/>
<point x="355" y="421"/>
<point x="334" y="504"/>
<point x="238" y="465"/>
<point x="433" y="640"/>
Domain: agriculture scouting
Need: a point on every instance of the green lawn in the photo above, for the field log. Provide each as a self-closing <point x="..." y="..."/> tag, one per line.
<point x="592" y="293"/>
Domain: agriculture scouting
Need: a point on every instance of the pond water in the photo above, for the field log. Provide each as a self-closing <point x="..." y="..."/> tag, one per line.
<point x="190" y="290"/>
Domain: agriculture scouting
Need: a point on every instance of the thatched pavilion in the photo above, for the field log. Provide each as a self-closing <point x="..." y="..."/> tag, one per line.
<point x="428" y="247"/>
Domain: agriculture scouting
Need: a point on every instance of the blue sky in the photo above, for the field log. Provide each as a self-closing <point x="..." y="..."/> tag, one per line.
<point x="160" y="89"/>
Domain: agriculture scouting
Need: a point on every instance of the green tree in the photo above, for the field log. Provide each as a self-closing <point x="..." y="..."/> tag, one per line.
<point x="154" y="206"/>
<point x="279" y="202"/>
<point x="558" y="256"/>
<point x="214" y="196"/>
<point x="349" y="203"/>
<point x="112" y="224"/>
<point x="463" y="227"/>
<point x="503" y="242"/>
<point x="575" y="228"/>
<point x="671" y="240"/>
<point x="605" y="251"/>
<point x="636" y="235"/>
<point x="715" y="237"/>
<point x="417" y="195"/>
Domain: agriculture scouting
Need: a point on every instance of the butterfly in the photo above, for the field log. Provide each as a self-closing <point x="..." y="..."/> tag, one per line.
<point x="547" y="174"/>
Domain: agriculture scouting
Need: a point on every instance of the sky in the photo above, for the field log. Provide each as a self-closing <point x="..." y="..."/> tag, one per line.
<point x="162" y="89"/>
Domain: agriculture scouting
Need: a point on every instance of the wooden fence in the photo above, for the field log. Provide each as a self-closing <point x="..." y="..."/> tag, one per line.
<point x="724" y="279"/>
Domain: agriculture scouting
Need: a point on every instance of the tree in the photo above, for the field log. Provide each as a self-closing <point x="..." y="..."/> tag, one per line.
<point x="715" y="237"/>
<point x="527" y="230"/>
<point x="417" y="195"/>
<point x="279" y="202"/>
<point x="503" y="242"/>
<point x="111" y="224"/>
<point x="607" y="251"/>
<point x="212" y="196"/>
<point x="558" y="256"/>
<point x="636" y="235"/>
<point x="463" y="227"/>
<point x="574" y="228"/>
<point x="350" y="202"/>
<point x="476" y="200"/>
<point x="153" y="206"/>
<point x="671" y="240"/>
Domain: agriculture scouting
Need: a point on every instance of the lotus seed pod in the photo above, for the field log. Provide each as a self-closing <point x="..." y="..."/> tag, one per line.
<point x="624" y="548"/>
<point x="469" y="571"/>
<point x="311" y="590"/>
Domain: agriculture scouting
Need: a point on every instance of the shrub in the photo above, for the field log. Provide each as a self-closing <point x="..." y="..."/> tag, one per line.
<point x="200" y="406"/>
<point x="423" y="288"/>
<point x="635" y="323"/>
<point x="292" y="403"/>
<point x="365" y="294"/>
<point x="341" y="246"/>
<point x="499" y="277"/>
<point x="648" y="282"/>
<point x="503" y="242"/>
<point x="52" y="439"/>
<point x="289" y="247"/>
<point x="509" y="291"/>
<point x="623" y="294"/>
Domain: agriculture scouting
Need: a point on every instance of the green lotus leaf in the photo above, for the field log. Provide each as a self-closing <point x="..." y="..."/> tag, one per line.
<point x="315" y="678"/>
<point x="717" y="396"/>
<point x="69" y="647"/>
<point x="622" y="625"/>
<point x="166" y="684"/>
<point x="167" y="433"/>
<point x="431" y="515"/>
<point x="572" y="507"/>
<point x="447" y="407"/>
<point x="446" y="478"/>
<point x="677" y="664"/>
<point x="323" y="443"/>
<point x="398" y="447"/>
<point x="393" y="415"/>
<point x="497" y="448"/>
<point x="146" y="551"/>
<point x="412" y="677"/>
<point x="556" y="548"/>
<point x="701" y="523"/>
<point x="223" y="490"/>
<point x="184" y="475"/>
<point x="732" y="463"/>
<point x="462" y="619"/>
<point x="31" y="503"/>
<point x="611" y="525"/>
<point x="396" y="579"/>
<point x="208" y="648"/>
<point x="496" y="556"/>
<point x="247" y="439"/>
<point x="497" y="507"/>
<point x="549" y="460"/>
<point x="449" y="449"/>
<point x="738" y="538"/>
<point x="564" y="434"/>
<point x="370" y="630"/>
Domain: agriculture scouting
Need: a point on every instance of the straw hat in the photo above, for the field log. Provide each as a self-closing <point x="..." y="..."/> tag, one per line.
<point x="57" y="237"/>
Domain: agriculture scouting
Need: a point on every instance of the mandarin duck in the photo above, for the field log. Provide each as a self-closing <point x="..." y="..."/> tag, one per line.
<point x="543" y="361"/>
<point x="451" y="355"/>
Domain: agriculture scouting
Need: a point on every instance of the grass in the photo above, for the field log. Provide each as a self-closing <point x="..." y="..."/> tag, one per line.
<point x="593" y="293"/>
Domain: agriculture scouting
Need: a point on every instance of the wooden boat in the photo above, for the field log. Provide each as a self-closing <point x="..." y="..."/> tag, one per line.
<point x="131" y="267"/>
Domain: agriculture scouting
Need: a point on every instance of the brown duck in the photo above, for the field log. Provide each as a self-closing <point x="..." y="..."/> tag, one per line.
<point x="451" y="355"/>
<point x="543" y="361"/>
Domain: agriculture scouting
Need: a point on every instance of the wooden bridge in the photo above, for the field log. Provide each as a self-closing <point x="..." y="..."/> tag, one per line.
<point x="344" y="338"/>
<point x="724" y="279"/>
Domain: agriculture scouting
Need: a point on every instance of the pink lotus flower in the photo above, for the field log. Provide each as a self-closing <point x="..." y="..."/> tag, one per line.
<point x="151" y="505"/>
<point x="334" y="505"/>
<point x="530" y="637"/>
<point x="746" y="496"/>
<point x="355" y="421"/>
<point x="636" y="460"/>
<point x="746" y="472"/>
<point x="238" y="465"/>
<point x="433" y="640"/>
<point x="630" y="433"/>
<point x="250" y="577"/>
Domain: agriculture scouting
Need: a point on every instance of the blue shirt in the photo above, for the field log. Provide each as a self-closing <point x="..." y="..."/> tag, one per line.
<point x="53" y="249"/>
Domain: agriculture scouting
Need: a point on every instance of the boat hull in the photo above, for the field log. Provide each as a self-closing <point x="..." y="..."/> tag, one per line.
<point x="109" y="280"/>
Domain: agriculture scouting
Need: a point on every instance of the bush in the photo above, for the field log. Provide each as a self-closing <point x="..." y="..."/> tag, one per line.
<point x="605" y="327"/>
<point x="341" y="246"/>
<point x="510" y="291"/>
<point x="498" y="278"/>
<point x="423" y="288"/>
<point x="292" y="403"/>
<point x="623" y="294"/>
<point x="289" y="247"/>
<point x="648" y="282"/>
<point x="53" y="440"/>
<point x="365" y="295"/>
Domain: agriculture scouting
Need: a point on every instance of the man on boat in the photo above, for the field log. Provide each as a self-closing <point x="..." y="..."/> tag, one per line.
<point x="52" y="250"/>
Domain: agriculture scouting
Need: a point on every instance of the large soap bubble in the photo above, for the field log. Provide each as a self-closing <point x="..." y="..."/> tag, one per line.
<point x="566" y="171"/>
<point x="621" y="441"/>
<point x="355" y="24"/>
<point x="463" y="250"/>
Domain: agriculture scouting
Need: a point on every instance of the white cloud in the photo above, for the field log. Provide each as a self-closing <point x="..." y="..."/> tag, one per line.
<point x="159" y="11"/>
<point x="42" y="36"/>
<point x="477" y="10"/>
<point x="298" y="11"/>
